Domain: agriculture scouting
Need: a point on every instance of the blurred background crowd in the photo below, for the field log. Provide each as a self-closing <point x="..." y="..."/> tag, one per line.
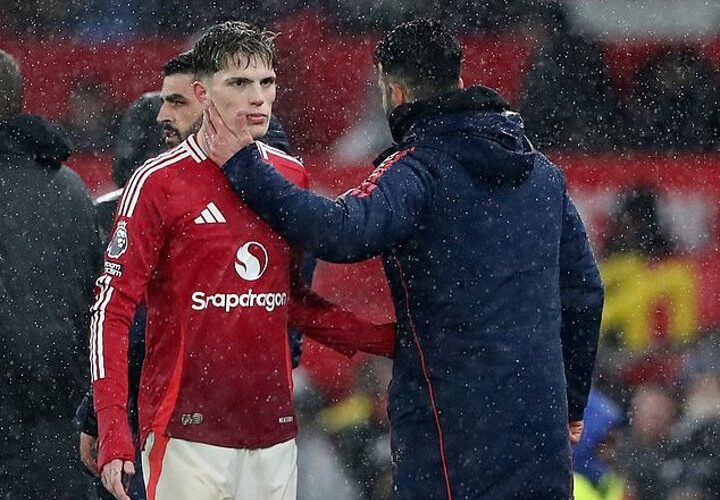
<point x="624" y="94"/>
<point x="585" y="75"/>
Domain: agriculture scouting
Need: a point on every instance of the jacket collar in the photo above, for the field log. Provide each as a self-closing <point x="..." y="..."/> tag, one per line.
<point x="475" y="98"/>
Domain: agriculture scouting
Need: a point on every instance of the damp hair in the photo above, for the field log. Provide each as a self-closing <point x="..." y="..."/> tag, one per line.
<point x="232" y="42"/>
<point x="181" y="64"/>
<point x="424" y="55"/>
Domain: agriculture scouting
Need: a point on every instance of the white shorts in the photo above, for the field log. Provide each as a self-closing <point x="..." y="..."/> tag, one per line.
<point x="175" y="469"/>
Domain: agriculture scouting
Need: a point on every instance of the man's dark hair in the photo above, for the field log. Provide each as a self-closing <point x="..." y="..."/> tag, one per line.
<point x="423" y="54"/>
<point x="181" y="64"/>
<point x="232" y="41"/>
<point x="11" y="85"/>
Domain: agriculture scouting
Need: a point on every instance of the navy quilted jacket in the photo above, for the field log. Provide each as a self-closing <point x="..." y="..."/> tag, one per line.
<point x="496" y="291"/>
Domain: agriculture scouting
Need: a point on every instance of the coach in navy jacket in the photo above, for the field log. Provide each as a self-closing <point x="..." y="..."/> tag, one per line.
<point x="496" y="291"/>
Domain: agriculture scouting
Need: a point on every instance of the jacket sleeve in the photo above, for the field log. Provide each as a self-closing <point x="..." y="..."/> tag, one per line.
<point x="364" y="222"/>
<point x="130" y="258"/>
<point x="581" y="296"/>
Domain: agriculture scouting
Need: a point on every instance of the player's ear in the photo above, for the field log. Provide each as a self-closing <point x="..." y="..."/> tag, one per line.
<point x="200" y="91"/>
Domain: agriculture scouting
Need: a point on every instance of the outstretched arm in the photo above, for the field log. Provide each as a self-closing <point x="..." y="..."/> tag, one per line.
<point x="384" y="211"/>
<point x="333" y="326"/>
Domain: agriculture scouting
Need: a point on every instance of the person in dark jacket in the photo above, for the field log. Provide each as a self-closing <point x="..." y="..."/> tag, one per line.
<point x="567" y="96"/>
<point x="50" y="251"/>
<point x="496" y="291"/>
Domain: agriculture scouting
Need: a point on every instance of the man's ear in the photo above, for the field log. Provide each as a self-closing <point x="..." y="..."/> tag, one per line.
<point x="461" y="84"/>
<point x="399" y="94"/>
<point x="200" y="92"/>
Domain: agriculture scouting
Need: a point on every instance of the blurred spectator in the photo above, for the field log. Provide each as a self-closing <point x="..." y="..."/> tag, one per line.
<point x="139" y="138"/>
<point x="566" y="100"/>
<point x="50" y="252"/>
<point x="321" y="475"/>
<point x="635" y="234"/>
<point x="186" y="16"/>
<point x="359" y="425"/>
<point x="636" y="226"/>
<point x="91" y="116"/>
<point x="676" y="103"/>
<point x="694" y="457"/>
<point x="652" y="415"/>
<point x="35" y="17"/>
<point x="597" y="474"/>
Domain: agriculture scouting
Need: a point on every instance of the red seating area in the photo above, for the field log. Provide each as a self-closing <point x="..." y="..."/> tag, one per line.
<point x="52" y="68"/>
<point x="323" y="75"/>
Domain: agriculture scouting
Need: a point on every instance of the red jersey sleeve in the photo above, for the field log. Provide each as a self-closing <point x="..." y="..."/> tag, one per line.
<point x="332" y="325"/>
<point x="131" y="255"/>
<point x="326" y="322"/>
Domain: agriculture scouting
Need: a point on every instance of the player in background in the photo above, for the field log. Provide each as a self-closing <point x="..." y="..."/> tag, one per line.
<point x="221" y="289"/>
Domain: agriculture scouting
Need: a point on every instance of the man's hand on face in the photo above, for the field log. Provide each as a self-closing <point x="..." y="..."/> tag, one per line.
<point x="116" y="476"/>
<point x="221" y="142"/>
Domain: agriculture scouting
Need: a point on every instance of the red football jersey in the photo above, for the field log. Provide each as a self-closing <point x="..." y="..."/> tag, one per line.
<point x="216" y="282"/>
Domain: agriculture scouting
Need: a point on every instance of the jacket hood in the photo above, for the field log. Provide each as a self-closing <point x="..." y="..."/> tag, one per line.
<point x="601" y="416"/>
<point x="476" y="127"/>
<point x="27" y="135"/>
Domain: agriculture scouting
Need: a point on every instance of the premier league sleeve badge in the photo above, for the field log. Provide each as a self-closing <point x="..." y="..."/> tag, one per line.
<point x="119" y="243"/>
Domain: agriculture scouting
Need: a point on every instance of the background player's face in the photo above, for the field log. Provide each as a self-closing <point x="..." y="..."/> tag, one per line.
<point x="180" y="111"/>
<point x="247" y="89"/>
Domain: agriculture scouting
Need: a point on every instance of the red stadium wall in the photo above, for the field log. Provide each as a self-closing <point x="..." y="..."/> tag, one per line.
<point x="323" y="75"/>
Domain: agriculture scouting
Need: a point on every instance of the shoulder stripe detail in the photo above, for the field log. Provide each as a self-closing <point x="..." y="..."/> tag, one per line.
<point x="193" y="154"/>
<point x="111" y="196"/>
<point x="265" y="149"/>
<point x="97" y="361"/>
<point x="131" y="199"/>
<point x="370" y="184"/>
<point x="193" y="145"/>
<point x="145" y="176"/>
<point x="131" y="184"/>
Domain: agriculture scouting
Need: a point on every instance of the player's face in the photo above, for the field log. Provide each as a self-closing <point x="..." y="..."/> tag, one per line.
<point x="246" y="90"/>
<point x="180" y="111"/>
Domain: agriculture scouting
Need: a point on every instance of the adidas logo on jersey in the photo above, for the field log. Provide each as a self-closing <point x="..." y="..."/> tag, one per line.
<point x="210" y="215"/>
